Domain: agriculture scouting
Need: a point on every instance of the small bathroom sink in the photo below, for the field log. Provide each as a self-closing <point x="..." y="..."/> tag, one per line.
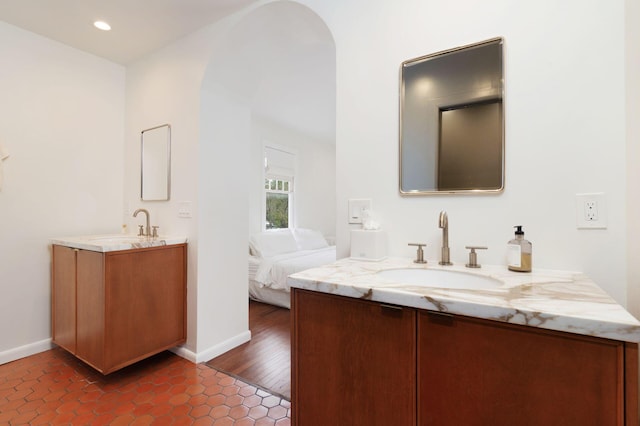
<point x="117" y="239"/>
<point x="116" y="242"/>
<point x="438" y="278"/>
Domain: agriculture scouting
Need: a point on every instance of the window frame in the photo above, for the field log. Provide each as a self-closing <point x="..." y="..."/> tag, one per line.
<point x="283" y="175"/>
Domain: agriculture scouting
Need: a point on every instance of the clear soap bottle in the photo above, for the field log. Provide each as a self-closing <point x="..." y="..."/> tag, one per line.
<point x="519" y="252"/>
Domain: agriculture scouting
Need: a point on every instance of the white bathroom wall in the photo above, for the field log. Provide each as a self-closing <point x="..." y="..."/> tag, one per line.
<point x="316" y="189"/>
<point x="315" y="196"/>
<point x="565" y="126"/>
<point x="223" y="186"/>
<point x="62" y="124"/>
<point x="632" y="81"/>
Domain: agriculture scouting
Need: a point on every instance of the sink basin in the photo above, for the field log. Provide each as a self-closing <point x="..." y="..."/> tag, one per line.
<point x="116" y="242"/>
<point x="117" y="239"/>
<point x="438" y="278"/>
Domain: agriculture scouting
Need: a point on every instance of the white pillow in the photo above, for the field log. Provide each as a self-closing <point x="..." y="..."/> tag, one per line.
<point x="309" y="239"/>
<point x="273" y="243"/>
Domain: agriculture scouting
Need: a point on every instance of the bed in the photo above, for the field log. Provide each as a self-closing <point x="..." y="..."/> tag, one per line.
<point x="274" y="255"/>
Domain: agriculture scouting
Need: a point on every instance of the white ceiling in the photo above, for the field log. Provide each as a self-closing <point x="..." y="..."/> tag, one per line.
<point x="138" y="27"/>
<point x="300" y="96"/>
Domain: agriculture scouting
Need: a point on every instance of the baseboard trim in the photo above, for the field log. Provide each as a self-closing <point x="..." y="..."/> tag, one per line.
<point x="202" y="356"/>
<point x="25" y="351"/>
<point x="185" y="353"/>
<point x="214" y="351"/>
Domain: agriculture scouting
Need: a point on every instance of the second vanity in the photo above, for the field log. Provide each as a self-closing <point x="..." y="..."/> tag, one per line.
<point x="542" y="348"/>
<point x="118" y="299"/>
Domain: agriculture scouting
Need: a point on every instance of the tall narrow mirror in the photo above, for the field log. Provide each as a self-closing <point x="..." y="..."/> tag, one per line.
<point x="452" y="121"/>
<point x="155" y="179"/>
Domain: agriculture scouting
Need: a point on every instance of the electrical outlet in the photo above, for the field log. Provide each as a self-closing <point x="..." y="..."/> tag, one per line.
<point x="591" y="212"/>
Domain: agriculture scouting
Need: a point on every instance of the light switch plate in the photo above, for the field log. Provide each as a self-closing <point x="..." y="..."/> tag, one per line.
<point x="356" y="206"/>
<point x="184" y="209"/>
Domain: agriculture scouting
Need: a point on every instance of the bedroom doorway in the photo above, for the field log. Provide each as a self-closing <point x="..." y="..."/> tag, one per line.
<point x="271" y="79"/>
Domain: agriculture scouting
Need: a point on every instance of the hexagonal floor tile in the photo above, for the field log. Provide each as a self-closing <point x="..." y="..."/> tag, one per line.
<point x="53" y="387"/>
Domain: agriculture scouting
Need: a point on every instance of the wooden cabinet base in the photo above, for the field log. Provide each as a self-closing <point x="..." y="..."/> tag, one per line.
<point x="113" y="309"/>
<point x="364" y="363"/>
<point x="354" y="362"/>
<point x="496" y="373"/>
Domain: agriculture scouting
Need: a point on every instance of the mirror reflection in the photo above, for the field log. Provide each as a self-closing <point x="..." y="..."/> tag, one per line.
<point x="452" y="121"/>
<point x="155" y="180"/>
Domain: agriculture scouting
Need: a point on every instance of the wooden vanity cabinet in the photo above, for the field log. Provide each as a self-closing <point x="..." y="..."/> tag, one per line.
<point x="353" y="362"/>
<point x="357" y="362"/>
<point x="115" y="308"/>
<point x="479" y="372"/>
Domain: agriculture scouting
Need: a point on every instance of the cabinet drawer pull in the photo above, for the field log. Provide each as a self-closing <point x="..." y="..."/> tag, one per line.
<point x="441" y="318"/>
<point x="439" y="314"/>
<point x="394" y="307"/>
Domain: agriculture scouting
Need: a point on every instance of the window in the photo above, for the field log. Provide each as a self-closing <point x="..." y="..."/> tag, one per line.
<point x="278" y="192"/>
<point x="279" y="173"/>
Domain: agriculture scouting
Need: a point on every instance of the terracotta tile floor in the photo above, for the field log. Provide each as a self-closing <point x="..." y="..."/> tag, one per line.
<point x="54" y="388"/>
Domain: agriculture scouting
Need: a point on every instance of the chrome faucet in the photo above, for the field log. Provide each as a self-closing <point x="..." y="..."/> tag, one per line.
<point x="147" y="232"/>
<point x="443" y="222"/>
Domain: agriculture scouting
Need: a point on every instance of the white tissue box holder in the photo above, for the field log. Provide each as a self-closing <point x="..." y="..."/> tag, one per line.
<point x="368" y="245"/>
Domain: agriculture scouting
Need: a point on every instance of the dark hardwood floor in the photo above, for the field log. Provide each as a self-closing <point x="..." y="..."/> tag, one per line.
<point x="266" y="359"/>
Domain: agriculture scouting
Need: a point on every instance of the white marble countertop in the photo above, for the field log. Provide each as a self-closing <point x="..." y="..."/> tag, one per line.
<point x="554" y="300"/>
<point x="116" y="242"/>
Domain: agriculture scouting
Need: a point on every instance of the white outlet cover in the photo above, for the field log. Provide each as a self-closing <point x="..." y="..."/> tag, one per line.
<point x="591" y="211"/>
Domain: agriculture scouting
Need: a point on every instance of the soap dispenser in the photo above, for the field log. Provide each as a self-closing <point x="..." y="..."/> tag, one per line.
<point x="519" y="252"/>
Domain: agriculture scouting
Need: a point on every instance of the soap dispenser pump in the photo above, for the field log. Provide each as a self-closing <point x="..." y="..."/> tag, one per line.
<point x="519" y="252"/>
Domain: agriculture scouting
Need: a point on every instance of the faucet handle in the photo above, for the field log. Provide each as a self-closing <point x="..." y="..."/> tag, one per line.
<point x="154" y="233"/>
<point x="419" y="253"/>
<point x="473" y="256"/>
<point x="140" y="231"/>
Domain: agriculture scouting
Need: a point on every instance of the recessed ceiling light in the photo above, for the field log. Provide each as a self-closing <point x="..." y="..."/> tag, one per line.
<point x="102" y="25"/>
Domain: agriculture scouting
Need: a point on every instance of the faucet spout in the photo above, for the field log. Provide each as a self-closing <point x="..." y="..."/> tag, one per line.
<point x="443" y="222"/>
<point x="148" y="227"/>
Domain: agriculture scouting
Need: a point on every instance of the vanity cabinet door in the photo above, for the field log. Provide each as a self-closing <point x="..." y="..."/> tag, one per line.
<point x="63" y="297"/>
<point x="353" y="361"/>
<point x="145" y="303"/>
<point x="90" y="307"/>
<point x="77" y="302"/>
<point x="479" y="372"/>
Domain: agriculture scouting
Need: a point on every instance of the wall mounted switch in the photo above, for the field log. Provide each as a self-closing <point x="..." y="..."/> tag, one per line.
<point x="356" y="207"/>
<point x="591" y="211"/>
<point x="184" y="209"/>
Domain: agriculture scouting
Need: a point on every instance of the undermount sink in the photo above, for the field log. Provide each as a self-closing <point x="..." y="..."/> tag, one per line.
<point x="117" y="239"/>
<point x="438" y="278"/>
<point x="116" y="242"/>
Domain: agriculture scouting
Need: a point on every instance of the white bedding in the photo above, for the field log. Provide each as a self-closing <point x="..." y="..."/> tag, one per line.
<point x="272" y="272"/>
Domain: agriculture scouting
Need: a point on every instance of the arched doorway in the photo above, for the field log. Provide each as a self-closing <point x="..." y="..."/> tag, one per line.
<point x="273" y="77"/>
